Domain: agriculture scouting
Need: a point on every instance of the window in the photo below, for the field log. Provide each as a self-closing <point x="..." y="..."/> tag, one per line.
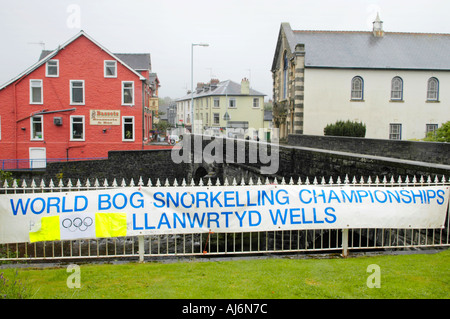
<point x="110" y="69"/>
<point x="36" y="92"/>
<point x="77" y="92"/>
<point x="52" y="68"/>
<point x="127" y="93"/>
<point x="433" y="89"/>
<point x="395" y="131"/>
<point x="397" y="89"/>
<point x="216" y="102"/>
<point x="37" y="133"/>
<point x="232" y="102"/>
<point x="216" y="118"/>
<point x="255" y="102"/>
<point x="357" y="88"/>
<point x="431" y="129"/>
<point x="285" y="75"/>
<point x="77" y="128"/>
<point x="128" y="128"/>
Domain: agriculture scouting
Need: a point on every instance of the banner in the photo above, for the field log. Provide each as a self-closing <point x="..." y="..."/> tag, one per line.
<point x="131" y="211"/>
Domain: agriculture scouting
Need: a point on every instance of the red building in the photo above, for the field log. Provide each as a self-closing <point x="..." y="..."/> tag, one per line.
<point x="78" y="101"/>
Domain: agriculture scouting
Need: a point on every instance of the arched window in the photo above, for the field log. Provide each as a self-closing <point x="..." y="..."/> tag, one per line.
<point x="285" y="75"/>
<point x="397" y="89"/>
<point x="357" y="88"/>
<point x="433" y="89"/>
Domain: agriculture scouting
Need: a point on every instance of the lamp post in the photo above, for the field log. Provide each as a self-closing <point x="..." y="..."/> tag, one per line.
<point x="192" y="81"/>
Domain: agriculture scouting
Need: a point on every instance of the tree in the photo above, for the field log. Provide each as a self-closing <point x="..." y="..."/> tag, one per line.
<point x="442" y="134"/>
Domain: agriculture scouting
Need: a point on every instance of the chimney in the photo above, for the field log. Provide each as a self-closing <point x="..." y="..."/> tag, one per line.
<point x="245" y="86"/>
<point x="378" y="27"/>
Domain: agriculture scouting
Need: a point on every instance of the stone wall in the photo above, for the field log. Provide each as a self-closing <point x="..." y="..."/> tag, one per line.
<point x="430" y="152"/>
<point x="120" y="165"/>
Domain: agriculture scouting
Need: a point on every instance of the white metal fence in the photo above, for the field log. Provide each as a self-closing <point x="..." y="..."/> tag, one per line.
<point x="197" y="244"/>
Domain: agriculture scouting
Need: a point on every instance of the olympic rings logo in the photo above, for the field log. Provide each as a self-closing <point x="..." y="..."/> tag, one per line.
<point x="77" y="223"/>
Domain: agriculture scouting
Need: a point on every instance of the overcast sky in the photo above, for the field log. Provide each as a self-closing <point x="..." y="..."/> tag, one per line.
<point x="241" y="34"/>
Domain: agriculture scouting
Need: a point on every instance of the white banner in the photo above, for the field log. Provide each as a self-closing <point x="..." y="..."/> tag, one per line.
<point x="131" y="211"/>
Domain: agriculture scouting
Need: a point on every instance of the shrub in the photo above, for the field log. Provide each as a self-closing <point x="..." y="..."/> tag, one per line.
<point x="348" y="128"/>
<point x="442" y="134"/>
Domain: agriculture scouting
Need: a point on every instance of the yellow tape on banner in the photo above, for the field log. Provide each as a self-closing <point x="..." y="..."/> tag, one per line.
<point x="110" y="224"/>
<point x="49" y="230"/>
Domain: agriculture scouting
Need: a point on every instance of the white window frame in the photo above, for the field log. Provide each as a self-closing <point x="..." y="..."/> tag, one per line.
<point x="216" y="99"/>
<point x="395" y="135"/>
<point x="124" y="139"/>
<point x="32" y="130"/>
<point x="232" y="99"/>
<point x="132" y="92"/>
<point x="357" y="94"/>
<point x="397" y="89"/>
<point x="41" y="86"/>
<point x="71" y="93"/>
<point x="434" y="92"/>
<point x="256" y="103"/>
<point x="71" y="128"/>
<point x="57" y="69"/>
<point x="115" y="69"/>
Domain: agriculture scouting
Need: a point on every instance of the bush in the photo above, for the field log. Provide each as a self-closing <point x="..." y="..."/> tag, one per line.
<point x="348" y="128"/>
<point x="442" y="134"/>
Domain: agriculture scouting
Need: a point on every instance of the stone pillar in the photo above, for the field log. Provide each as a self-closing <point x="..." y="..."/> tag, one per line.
<point x="299" y="88"/>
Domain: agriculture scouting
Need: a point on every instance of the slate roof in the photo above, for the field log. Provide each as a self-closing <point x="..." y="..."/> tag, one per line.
<point x="358" y="49"/>
<point x="227" y="87"/>
<point x="137" y="61"/>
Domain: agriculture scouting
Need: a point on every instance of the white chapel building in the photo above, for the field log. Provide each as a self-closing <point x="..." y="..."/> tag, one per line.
<point x="397" y="84"/>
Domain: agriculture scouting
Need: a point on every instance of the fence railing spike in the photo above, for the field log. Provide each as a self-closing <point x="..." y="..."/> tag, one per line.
<point x="250" y="181"/>
<point x="140" y="182"/>
<point x="51" y="184"/>
<point x="218" y="182"/>
<point x="114" y="184"/>
<point x="175" y="182"/>
<point x="183" y="182"/>
<point x="158" y="183"/>
<point x="167" y="183"/>
<point x="225" y="182"/>
<point x="200" y="182"/>
<point x="307" y="181"/>
<point x="209" y="183"/>
<point x="105" y="183"/>
<point x="96" y="183"/>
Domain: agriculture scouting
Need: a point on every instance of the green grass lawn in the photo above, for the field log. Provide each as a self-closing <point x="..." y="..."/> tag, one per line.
<point x="401" y="277"/>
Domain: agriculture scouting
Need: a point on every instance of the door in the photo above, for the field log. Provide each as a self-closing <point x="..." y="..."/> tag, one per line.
<point x="38" y="158"/>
